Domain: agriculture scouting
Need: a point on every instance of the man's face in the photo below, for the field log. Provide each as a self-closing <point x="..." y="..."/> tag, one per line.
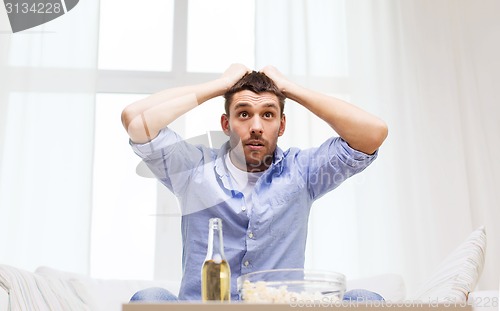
<point x="253" y="126"/>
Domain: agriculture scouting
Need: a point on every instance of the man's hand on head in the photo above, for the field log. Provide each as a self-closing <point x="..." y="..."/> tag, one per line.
<point x="278" y="78"/>
<point x="233" y="74"/>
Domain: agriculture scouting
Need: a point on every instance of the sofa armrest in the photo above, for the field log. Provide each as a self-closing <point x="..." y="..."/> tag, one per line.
<point x="4" y="299"/>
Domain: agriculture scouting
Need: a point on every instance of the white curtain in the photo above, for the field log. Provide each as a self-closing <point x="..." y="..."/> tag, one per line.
<point x="430" y="70"/>
<point x="47" y="93"/>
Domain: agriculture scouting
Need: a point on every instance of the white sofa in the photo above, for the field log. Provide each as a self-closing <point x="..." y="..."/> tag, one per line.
<point x="50" y="289"/>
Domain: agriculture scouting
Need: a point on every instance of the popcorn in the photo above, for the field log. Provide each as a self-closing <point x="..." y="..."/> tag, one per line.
<point x="260" y="292"/>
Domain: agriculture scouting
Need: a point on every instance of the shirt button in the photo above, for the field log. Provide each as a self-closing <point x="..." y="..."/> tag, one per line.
<point x="250" y="235"/>
<point x="243" y="208"/>
<point x="246" y="263"/>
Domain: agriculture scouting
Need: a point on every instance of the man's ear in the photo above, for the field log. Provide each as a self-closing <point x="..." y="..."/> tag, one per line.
<point x="282" y="125"/>
<point x="224" y="123"/>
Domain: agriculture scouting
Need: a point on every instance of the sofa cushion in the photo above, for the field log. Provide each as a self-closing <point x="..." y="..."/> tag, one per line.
<point x="105" y="295"/>
<point x="458" y="274"/>
<point x="29" y="291"/>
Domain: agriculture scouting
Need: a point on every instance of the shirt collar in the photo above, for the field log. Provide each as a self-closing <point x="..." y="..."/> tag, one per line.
<point x="278" y="159"/>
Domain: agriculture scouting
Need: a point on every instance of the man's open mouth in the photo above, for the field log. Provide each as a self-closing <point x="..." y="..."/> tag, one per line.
<point x="255" y="145"/>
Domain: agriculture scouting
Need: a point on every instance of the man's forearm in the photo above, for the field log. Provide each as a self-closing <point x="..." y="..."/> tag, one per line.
<point x="145" y="118"/>
<point x="362" y="130"/>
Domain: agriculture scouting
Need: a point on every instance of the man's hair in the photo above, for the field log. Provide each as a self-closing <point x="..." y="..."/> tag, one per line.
<point x="256" y="82"/>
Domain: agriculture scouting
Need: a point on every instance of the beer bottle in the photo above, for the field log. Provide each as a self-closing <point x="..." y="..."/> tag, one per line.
<point x="215" y="273"/>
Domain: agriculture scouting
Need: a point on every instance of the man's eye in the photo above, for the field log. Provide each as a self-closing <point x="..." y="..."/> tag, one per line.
<point x="243" y="114"/>
<point x="268" y="115"/>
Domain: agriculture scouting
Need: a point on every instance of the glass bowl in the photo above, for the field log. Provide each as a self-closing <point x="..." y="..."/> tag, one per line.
<point x="291" y="286"/>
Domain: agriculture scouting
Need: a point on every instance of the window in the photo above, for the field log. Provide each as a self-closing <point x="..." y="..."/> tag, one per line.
<point x="123" y="203"/>
<point x="214" y="42"/>
<point x="161" y="44"/>
<point x="136" y="35"/>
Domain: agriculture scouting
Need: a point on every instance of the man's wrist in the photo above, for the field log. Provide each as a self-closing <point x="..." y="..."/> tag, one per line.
<point x="210" y="89"/>
<point x="217" y="87"/>
<point x="287" y="88"/>
<point x="223" y="85"/>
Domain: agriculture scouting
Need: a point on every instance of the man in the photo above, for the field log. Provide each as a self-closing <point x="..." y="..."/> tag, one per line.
<point x="262" y="194"/>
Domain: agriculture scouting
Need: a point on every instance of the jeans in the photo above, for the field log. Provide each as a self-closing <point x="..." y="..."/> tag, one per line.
<point x="361" y="295"/>
<point x="153" y="294"/>
<point x="156" y="294"/>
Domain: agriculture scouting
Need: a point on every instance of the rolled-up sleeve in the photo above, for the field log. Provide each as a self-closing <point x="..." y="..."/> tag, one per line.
<point x="332" y="163"/>
<point x="352" y="157"/>
<point x="171" y="159"/>
<point x="166" y="137"/>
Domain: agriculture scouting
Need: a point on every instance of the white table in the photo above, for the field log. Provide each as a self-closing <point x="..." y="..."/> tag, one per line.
<point x="238" y="306"/>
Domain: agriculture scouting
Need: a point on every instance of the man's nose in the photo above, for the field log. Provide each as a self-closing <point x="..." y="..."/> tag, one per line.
<point x="256" y="127"/>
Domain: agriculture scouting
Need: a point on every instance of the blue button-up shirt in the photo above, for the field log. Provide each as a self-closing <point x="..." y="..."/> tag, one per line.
<point x="274" y="235"/>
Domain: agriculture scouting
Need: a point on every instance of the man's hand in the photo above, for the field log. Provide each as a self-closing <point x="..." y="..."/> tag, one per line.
<point x="233" y="74"/>
<point x="278" y="78"/>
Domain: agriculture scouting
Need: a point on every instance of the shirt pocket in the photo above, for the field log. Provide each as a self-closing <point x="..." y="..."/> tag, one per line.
<point x="289" y="211"/>
<point x="290" y="195"/>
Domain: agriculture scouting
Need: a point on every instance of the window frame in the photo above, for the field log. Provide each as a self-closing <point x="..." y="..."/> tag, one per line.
<point x="148" y="82"/>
